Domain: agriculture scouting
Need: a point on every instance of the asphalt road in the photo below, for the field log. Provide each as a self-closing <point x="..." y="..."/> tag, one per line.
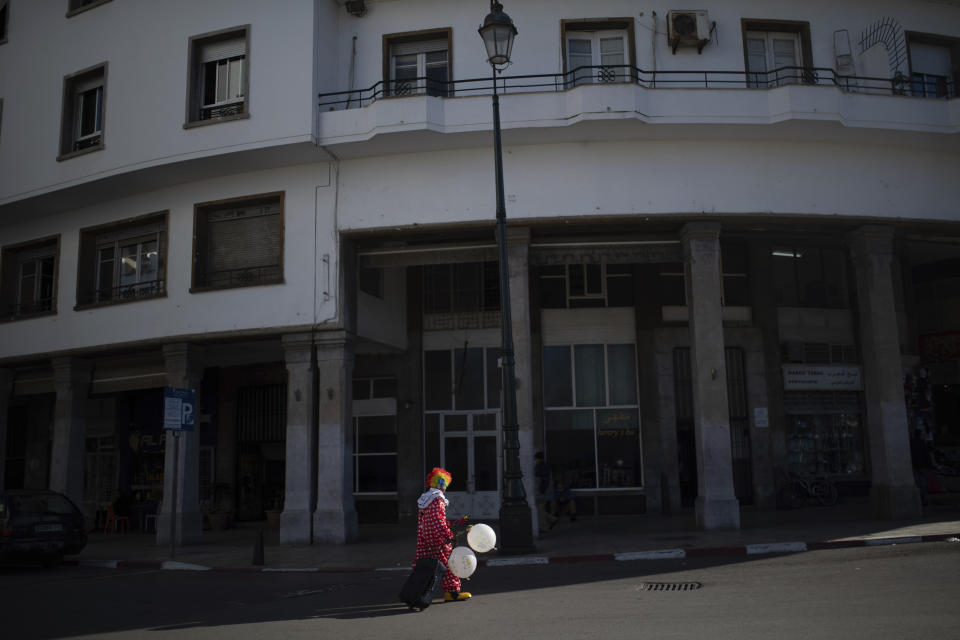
<point x="905" y="591"/>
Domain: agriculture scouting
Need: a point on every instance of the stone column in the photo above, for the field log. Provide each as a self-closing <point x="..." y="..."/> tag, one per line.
<point x="184" y="371"/>
<point x="518" y="268"/>
<point x="893" y="492"/>
<point x="335" y="519"/>
<point x="717" y="506"/>
<point x="296" y="521"/>
<point x="6" y="388"/>
<point x="71" y="379"/>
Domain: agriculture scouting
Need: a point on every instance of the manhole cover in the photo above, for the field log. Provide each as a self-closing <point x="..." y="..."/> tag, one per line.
<point x="669" y="586"/>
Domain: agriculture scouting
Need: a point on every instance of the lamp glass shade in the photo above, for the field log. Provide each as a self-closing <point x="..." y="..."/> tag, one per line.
<point x="497" y="33"/>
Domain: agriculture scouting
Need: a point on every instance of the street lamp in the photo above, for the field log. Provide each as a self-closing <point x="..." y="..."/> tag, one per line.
<point x="516" y="525"/>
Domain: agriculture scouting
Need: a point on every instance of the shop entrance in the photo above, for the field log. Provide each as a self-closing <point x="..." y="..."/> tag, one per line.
<point x="261" y="436"/>
<point x="470" y="452"/>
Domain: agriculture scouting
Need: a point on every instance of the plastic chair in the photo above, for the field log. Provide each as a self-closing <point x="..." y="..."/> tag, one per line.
<point x="115" y="521"/>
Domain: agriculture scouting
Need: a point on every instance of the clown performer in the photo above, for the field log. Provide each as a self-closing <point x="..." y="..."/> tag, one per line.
<point x="434" y="537"/>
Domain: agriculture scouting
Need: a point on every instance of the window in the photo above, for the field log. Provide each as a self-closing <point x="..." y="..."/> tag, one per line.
<point x="591" y="415"/>
<point x="824" y="433"/>
<point x="418" y="63"/>
<point x="776" y="53"/>
<point x="375" y="454"/>
<point x="239" y="243"/>
<point x="100" y="470"/>
<point x="83" y="108"/>
<point x="4" y="12"/>
<point x="122" y="262"/>
<point x="810" y="277"/>
<point x="29" y="279"/>
<point x="467" y="287"/>
<point x="78" y="6"/>
<point x="370" y="281"/>
<point x="577" y="286"/>
<point x="733" y="264"/>
<point x="598" y="51"/>
<point x="932" y="63"/>
<point x="218" y="76"/>
<point x="461" y="379"/>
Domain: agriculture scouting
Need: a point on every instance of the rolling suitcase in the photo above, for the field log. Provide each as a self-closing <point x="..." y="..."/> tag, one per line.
<point x="423" y="583"/>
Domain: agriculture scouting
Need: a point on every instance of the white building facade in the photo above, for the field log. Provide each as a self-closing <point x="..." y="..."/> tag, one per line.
<point x="733" y="235"/>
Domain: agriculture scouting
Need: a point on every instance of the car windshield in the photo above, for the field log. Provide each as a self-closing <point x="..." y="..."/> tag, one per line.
<point x="42" y="503"/>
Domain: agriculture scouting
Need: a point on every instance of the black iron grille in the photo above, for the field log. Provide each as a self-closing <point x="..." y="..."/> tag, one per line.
<point x="670" y="586"/>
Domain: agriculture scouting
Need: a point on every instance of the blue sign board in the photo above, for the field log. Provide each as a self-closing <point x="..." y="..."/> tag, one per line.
<point x="179" y="408"/>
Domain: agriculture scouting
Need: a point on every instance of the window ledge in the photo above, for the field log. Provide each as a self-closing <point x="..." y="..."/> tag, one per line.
<point x="225" y="287"/>
<point x="28" y="316"/>
<point x="92" y="5"/>
<point x="202" y="123"/>
<point x="111" y="303"/>
<point x="74" y="154"/>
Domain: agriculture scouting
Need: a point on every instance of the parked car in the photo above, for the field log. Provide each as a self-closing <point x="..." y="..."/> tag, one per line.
<point x="39" y="525"/>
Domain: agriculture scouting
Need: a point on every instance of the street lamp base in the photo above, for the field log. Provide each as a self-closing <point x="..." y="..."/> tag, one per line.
<point x="516" y="530"/>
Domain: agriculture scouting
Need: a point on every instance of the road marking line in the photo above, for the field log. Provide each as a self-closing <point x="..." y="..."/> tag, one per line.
<point x="291" y="569"/>
<point x="776" y="547"/>
<point x="662" y="554"/>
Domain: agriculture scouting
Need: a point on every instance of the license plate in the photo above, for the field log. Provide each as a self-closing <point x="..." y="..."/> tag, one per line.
<point x="46" y="528"/>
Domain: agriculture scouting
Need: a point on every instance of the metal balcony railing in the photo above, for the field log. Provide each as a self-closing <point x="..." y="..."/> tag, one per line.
<point x="146" y="289"/>
<point x="21" y="309"/>
<point x="243" y="277"/>
<point x="356" y="98"/>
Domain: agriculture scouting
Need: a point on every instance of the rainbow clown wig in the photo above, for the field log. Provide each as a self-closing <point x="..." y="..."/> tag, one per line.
<point x="439" y="479"/>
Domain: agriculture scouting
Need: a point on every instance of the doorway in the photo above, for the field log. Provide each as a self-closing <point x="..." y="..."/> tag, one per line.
<point x="470" y="451"/>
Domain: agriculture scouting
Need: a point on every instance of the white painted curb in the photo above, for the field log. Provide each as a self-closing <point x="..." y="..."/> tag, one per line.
<point x="182" y="566"/>
<point x="877" y="542"/>
<point x="776" y="547"/>
<point x="510" y="562"/>
<point x="662" y="554"/>
<point x="100" y="564"/>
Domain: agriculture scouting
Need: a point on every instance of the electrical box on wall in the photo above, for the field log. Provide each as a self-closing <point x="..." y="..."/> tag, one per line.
<point x="688" y="28"/>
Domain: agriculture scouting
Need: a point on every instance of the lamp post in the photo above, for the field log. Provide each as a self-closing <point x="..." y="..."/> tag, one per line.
<point x="516" y="525"/>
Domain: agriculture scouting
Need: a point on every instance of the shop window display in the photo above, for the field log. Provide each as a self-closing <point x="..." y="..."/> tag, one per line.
<point x="821" y="444"/>
<point x="592" y="419"/>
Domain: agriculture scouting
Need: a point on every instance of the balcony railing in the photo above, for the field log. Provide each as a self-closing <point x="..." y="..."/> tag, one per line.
<point x="146" y="289"/>
<point x="945" y="88"/>
<point x="242" y="277"/>
<point x="22" y="309"/>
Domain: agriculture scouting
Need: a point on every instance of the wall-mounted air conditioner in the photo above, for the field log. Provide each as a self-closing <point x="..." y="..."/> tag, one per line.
<point x="688" y="28"/>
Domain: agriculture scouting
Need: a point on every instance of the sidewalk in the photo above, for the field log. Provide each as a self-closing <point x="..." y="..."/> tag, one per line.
<point x="625" y="538"/>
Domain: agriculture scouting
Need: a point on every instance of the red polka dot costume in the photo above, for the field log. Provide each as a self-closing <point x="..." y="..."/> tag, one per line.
<point x="433" y="530"/>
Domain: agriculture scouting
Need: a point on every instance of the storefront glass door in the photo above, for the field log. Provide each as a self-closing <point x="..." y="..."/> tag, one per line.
<point x="470" y="452"/>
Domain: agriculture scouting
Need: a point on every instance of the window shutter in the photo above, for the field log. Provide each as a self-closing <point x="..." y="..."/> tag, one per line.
<point x="422" y="46"/>
<point x="244" y="238"/>
<point x="223" y="49"/>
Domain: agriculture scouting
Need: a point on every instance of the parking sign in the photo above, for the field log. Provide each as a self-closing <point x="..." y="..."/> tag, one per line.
<point x="178" y="409"/>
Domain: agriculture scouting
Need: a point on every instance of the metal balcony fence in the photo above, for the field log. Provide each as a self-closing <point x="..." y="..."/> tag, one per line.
<point x="131" y="291"/>
<point x="242" y="277"/>
<point x="939" y="87"/>
<point x="20" y="309"/>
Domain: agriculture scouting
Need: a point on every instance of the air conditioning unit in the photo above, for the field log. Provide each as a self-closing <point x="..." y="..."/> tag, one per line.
<point x="688" y="28"/>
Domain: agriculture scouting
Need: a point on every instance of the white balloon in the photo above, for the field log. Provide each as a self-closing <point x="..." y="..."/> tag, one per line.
<point x="462" y="562"/>
<point x="481" y="538"/>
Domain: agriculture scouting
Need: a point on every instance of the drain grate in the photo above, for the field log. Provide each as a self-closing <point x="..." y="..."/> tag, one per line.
<point x="669" y="586"/>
